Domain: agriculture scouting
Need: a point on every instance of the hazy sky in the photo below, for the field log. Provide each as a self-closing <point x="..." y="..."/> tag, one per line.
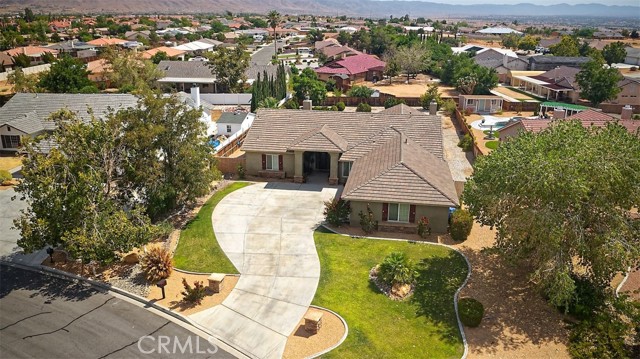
<point x="540" y="2"/>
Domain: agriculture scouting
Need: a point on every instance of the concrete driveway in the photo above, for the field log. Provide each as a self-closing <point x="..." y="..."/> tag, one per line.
<point x="266" y="230"/>
<point x="9" y="210"/>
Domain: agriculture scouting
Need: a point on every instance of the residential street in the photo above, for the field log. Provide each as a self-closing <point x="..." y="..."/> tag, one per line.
<point x="264" y="55"/>
<point x="48" y="317"/>
<point x="9" y="210"/>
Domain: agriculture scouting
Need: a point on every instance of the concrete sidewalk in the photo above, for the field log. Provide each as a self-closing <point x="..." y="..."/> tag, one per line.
<point x="266" y="230"/>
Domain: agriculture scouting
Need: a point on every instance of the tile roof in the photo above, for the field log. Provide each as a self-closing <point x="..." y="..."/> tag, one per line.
<point x="171" y="52"/>
<point x="400" y="109"/>
<point x="232" y="117"/>
<point x="320" y="139"/>
<point x="542" y="59"/>
<point x="352" y="65"/>
<point x="400" y="170"/>
<point x="591" y="115"/>
<point x="28" y="123"/>
<point x="106" y="41"/>
<point x="42" y="105"/>
<point x="31" y="51"/>
<point x="182" y="71"/>
<point x="587" y="118"/>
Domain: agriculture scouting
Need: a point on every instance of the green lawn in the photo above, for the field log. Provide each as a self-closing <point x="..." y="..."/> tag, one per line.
<point x="496" y="134"/>
<point x="424" y="326"/>
<point x="492" y="144"/>
<point x="198" y="249"/>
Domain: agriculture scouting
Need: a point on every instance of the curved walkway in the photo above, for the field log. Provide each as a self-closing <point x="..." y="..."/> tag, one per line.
<point x="266" y="230"/>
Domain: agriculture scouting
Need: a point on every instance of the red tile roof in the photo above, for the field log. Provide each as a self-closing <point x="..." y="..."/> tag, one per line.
<point x="352" y="65"/>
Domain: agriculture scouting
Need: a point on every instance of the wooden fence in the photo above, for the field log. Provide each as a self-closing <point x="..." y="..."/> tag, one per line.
<point x="462" y="125"/>
<point x="229" y="165"/>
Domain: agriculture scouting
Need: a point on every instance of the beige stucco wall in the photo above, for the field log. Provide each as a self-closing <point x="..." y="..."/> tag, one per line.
<point x="254" y="163"/>
<point x="438" y="216"/>
<point x="629" y="95"/>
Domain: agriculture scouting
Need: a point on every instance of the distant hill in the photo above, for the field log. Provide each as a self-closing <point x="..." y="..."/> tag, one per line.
<point x="321" y="7"/>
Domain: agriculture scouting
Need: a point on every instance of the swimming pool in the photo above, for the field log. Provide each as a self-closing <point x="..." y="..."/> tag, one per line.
<point x="488" y="122"/>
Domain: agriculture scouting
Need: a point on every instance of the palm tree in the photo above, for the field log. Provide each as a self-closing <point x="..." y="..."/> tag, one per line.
<point x="274" y="19"/>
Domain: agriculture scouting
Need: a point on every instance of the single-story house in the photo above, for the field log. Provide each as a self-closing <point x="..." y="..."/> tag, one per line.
<point x="500" y="60"/>
<point x="107" y="41"/>
<point x="171" y="52"/>
<point x="135" y="35"/>
<point x="26" y="114"/>
<point x="480" y="103"/>
<point x="392" y="163"/>
<point x="78" y="49"/>
<point x="545" y="62"/>
<point x="558" y="84"/>
<point x="633" y="56"/>
<point x="35" y="53"/>
<point x="230" y="122"/>
<point x="629" y="92"/>
<point x="6" y="62"/>
<point x="358" y="68"/>
<point x="199" y="47"/>
<point x="498" y="31"/>
<point x="182" y="75"/>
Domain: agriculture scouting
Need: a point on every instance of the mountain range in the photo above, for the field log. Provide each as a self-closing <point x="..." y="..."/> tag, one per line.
<point x="367" y="8"/>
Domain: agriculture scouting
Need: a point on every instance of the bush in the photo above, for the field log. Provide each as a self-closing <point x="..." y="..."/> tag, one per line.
<point x="466" y="143"/>
<point x="360" y="91"/>
<point x="392" y="101"/>
<point x="156" y="264"/>
<point x="449" y="106"/>
<point x="461" y="224"/>
<point x="5" y="176"/>
<point x="430" y="95"/>
<point x="424" y="229"/>
<point x="330" y="84"/>
<point x="363" y="107"/>
<point x="471" y="312"/>
<point x="193" y="294"/>
<point x="325" y="108"/>
<point x="337" y="211"/>
<point x="601" y="336"/>
<point x="368" y="223"/>
<point x="341" y="106"/>
<point x="291" y="104"/>
<point x="337" y="92"/>
<point x="396" y="268"/>
<point x="240" y="171"/>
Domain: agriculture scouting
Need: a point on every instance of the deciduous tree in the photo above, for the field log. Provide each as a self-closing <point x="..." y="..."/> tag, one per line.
<point x="67" y="75"/>
<point x="229" y="66"/>
<point x="568" y="46"/>
<point x="614" y="53"/>
<point x="598" y="83"/>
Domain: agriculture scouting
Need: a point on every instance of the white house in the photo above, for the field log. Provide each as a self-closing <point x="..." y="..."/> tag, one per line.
<point x="230" y="123"/>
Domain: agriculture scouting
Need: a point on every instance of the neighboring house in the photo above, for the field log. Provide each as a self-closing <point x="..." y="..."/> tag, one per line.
<point x="171" y="52"/>
<point x="333" y="53"/>
<point x="480" y="103"/>
<point x="545" y="44"/>
<point x="633" y="56"/>
<point x="34" y="53"/>
<point x="558" y="84"/>
<point x="629" y="92"/>
<point x="199" y="47"/>
<point x="6" y="62"/>
<point x="59" y="26"/>
<point x="98" y="70"/>
<point x="107" y="41"/>
<point x="392" y="162"/>
<point x="230" y="123"/>
<point x="357" y="69"/>
<point x="77" y="49"/>
<point x="500" y="60"/>
<point x="319" y="45"/>
<point x="135" y="35"/>
<point x="182" y="75"/>
<point x="544" y="62"/>
<point x="587" y="118"/>
<point x="608" y="34"/>
<point x="26" y="114"/>
<point x="498" y="31"/>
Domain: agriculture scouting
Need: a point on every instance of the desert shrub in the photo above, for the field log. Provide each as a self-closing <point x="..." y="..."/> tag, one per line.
<point x="461" y="224"/>
<point x="291" y="104"/>
<point x="337" y="211"/>
<point x="193" y="294"/>
<point x="471" y="312"/>
<point x="240" y="171"/>
<point x="156" y="264"/>
<point x="368" y="223"/>
<point x="424" y="228"/>
<point x="337" y="92"/>
<point x="449" y="106"/>
<point x="392" y="101"/>
<point x="4" y="176"/>
<point x="466" y="143"/>
<point x="363" y="107"/>
<point x="360" y="91"/>
<point x="341" y="106"/>
<point x="396" y="268"/>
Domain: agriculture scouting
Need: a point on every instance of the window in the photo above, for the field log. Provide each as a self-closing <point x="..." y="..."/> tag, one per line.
<point x="272" y="163"/>
<point x="398" y="212"/>
<point x="228" y="128"/>
<point x="346" y="168"/>
<point x="470" y="101"/>
<point x="10" y="141"/>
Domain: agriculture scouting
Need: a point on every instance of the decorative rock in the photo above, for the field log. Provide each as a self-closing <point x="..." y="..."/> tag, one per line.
<point x="313" y="321"/>
<point x="215" y="282"/>
<point x="131" y="258"/>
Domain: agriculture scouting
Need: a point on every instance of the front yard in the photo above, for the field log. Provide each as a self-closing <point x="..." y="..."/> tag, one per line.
<point x="422" y="326"/>
<point x="198" y="249"/>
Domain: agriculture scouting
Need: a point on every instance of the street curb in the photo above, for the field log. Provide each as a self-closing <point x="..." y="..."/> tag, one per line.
<point x="76" y="278"/>
<point x="456" y="295"/>
<point x="202" y="273"/>
<point x="346" y="332"/>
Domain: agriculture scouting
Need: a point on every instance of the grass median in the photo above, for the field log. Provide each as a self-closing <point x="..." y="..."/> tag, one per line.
<point x="198" y="249"/>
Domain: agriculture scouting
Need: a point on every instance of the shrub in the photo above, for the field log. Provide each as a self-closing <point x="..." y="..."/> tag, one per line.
<point x="601" y="336"/>
<point x="396" y="268"/>
<point x="430" y="95"/>
<point x="156" y="264"/>
<point x="363" y="107"/>
<point x="341" y="106"/>
<point x="471" y="312"/>
<point x="461" y="224"/>
<point x="5" y="176"/>
<point x="334" y="108"/>
<point x="368" y="223"/>
<point x="360" y="91"/>
<point x="193" y="294"/>
<point x="240" y="171"/>
<point x="392" y="101"/>
<point x="337" y="211"/>
<point x="291" y="104"/>
<point x="466" y="143"/>
<point x="330" y="84"/>
<point x="424" y="229"/>
<point x="337" y="92"/>
<point x="449" y="106"/>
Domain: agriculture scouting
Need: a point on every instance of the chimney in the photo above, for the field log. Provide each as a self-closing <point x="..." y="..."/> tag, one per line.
<point x="195" y="95"/>
<point x="433" y="107"/>
<point x="505" y="60"/>
<point x="307" y="105"/>
<point x="627" y="112"/>
<point x="558" y="114"/>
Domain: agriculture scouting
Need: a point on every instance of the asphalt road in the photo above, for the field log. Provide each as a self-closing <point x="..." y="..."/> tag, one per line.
<point x="47" y="317"/>
<point x="264" y="55"/>
<point x="9" y="210"/>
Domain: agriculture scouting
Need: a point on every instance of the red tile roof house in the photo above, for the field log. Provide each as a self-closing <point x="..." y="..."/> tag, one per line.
<point x="392" y="161"/>
<point x="352" y="70"/>
<point x="587" y="118"/>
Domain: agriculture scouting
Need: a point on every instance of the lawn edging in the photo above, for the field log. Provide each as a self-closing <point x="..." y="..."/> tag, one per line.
<point x="53" y="272"/>
<point x="456" y="295"/>
<point x="346" y="332"/>
<point x="624" y="280"/>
